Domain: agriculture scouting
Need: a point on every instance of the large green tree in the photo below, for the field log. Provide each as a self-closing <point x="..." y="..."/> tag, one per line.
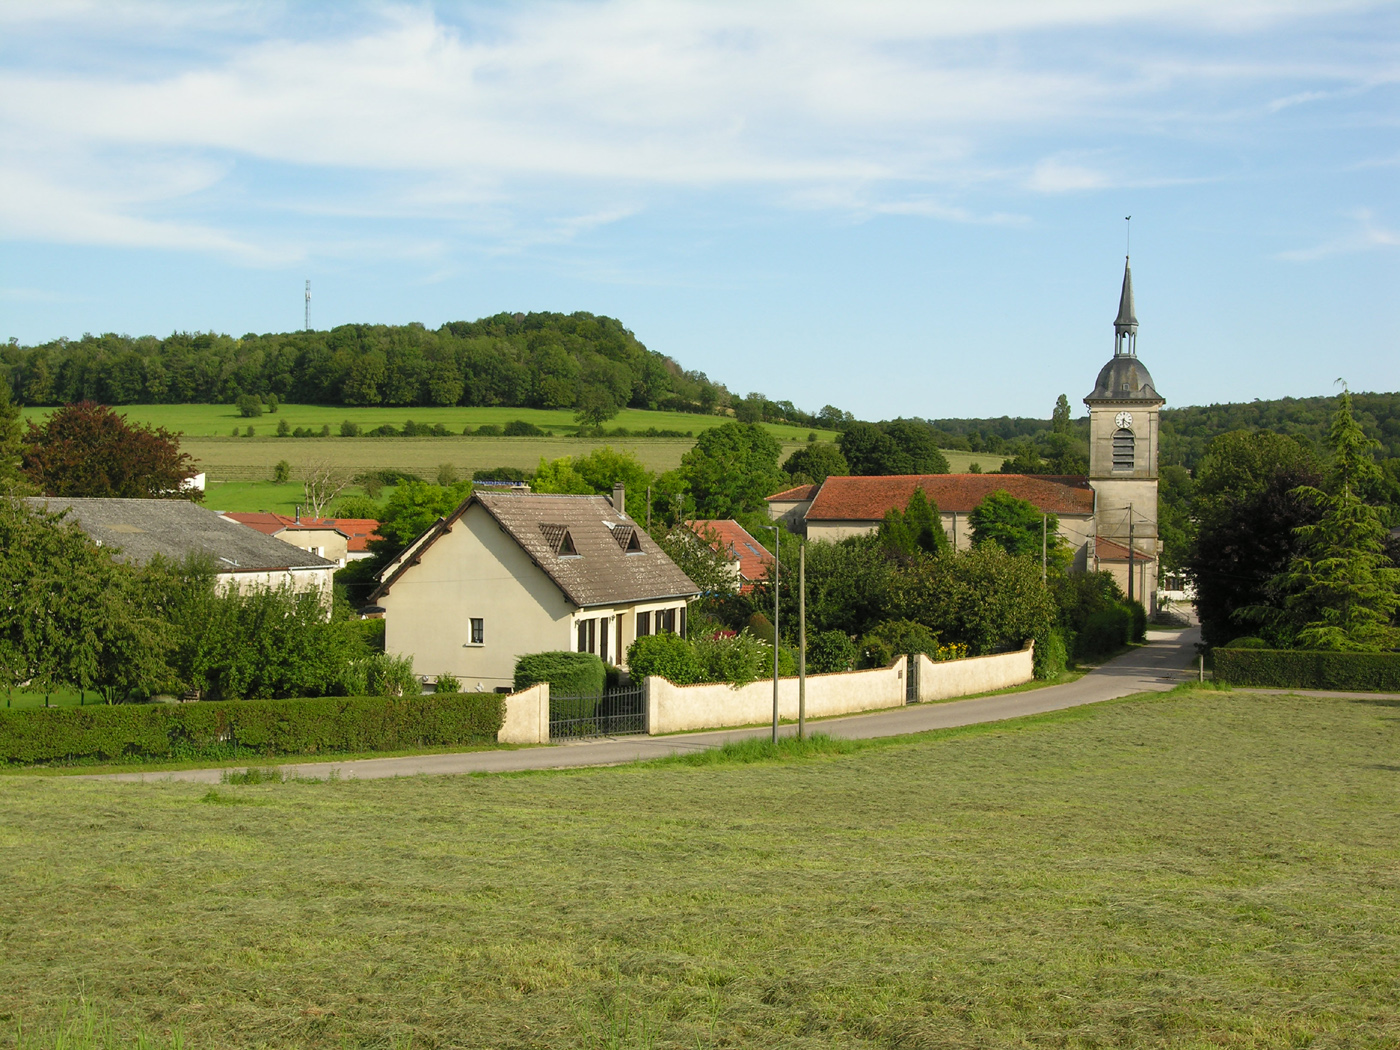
<point x="731" y="469"/>
<point x="899" y="446"/>
<point x="1340" y="591"/>
<point x="1246" y="509"/>
<point x="1018" y="527"/>
<point x="918" y="529"/>
<point x="11" y="446"/>
<point x="87" y="450"/>
<point x="815" y="462"/>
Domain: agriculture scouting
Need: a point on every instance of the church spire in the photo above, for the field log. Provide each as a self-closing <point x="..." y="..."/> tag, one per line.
<point x="1126" y="326"/>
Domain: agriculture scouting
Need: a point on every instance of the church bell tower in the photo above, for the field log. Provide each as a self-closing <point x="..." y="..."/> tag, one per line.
<point x="1123" y="435"/>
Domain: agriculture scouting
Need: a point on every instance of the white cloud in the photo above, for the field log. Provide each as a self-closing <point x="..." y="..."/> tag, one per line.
<point x="1053" y="175"/>
<point x="1367" y="235"/>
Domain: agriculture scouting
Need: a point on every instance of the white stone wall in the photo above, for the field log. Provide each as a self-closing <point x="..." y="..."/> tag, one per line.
<point x="527" y="717"/>
<point x="944" y="679"/>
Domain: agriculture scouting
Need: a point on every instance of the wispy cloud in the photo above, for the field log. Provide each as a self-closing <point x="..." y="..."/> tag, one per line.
<point x="1366" y="235"/>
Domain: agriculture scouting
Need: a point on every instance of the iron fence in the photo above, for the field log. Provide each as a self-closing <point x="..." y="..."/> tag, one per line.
<point x="614" y="712"/>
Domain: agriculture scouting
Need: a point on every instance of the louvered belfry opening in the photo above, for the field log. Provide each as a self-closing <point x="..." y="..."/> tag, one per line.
<point x="1124" y="450"/>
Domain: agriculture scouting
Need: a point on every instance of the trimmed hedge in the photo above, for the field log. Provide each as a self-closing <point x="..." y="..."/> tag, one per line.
<point x="1306" y="669"/>
<point x="568" y="674"/>
<point x="268" y="727"/>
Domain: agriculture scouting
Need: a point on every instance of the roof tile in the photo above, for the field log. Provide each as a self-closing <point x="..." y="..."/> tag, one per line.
<point x="868" y="498"/>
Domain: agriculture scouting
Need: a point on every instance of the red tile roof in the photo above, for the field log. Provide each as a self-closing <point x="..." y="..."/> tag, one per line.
<point x="868" y="498"/>
<point x="1108" y="550"/>
<point x="796" y="495"/>
<point x="357" y="531"/>
<point x="729" y="535"/>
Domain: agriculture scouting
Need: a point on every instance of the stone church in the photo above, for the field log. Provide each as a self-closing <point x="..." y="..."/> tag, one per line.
<point x="1108" y="519"/>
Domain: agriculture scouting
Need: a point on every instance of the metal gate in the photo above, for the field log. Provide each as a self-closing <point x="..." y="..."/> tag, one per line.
<point x="614" y="712"/>
<point x="911" y="678"/>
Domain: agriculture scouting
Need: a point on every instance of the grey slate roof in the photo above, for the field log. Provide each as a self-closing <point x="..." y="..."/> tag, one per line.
<point x="174" y="528"/>
<point x="1124" y="378"/>
<point x="602" y="573"/>
<point x="1126" y="320"/>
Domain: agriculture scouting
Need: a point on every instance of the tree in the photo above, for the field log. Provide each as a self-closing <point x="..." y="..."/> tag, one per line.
<point x="249" y="407"/>
<point x="1018" y="527"/>
<point x="817" y="462"/>
<point x="1060" y="418"/>
<point x="696" y="550"/>
<point x="86" y="449"/>
<point x="731" y="469"/>
<point x="321" y="483"/>
<point x="918" y="528"/>
<point x="414" y="507"/>
<point x="868" y="450"/>
<point x="559" y="476"/>
<point x="848" y="586"/>
<point x="1246" y="510"/>
<point x="1174" y="526"/>
<point x="900" y="446"/>
<point x="10" y="444"/>
<point x="1340" y="591"/>
<point x="595" y="405"/>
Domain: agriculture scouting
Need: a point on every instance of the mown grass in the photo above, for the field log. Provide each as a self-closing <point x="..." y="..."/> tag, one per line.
<point x="219" y="420"/>
<point x="1195" y="869"/>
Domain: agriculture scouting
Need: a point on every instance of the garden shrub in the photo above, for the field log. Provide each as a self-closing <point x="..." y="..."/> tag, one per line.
<point x="888" y="641"/>
<point x="831" y="651"/>
<point x="1247" y="642"/>
<point x="1051" y="654"/>
<point x="520" y="428"/>
<point x="737" y="659"/>
<point x="1139" y="615"/>
<point x="224" y="729"/>
<point x="666" y="656"/>
<point x="760" y="627"/>
<point x="447" y="683"/>
<point x="567" y="673"/>
<point x="1105" y="631"/>
<point x="1308" y="669"/>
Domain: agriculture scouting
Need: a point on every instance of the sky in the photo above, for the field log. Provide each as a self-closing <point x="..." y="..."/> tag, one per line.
<point x="901" y="209"/>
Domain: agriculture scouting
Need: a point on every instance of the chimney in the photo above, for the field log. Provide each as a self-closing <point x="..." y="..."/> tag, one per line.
<point x="298" y="517"/>
<point x="620" y="498"/>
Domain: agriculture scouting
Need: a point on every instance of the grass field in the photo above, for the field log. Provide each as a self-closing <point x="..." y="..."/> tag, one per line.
<point x="219" y="420"/>
<point x="1184" y="870"/>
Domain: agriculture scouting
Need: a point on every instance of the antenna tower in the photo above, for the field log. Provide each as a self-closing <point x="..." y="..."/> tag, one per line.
<point x="306" y="323"/>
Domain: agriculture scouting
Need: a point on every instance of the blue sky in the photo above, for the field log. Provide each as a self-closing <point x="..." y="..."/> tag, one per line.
<point x="896" y="208"/>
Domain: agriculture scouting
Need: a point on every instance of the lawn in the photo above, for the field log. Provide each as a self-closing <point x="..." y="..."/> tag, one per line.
<point x="1182" y="870"/>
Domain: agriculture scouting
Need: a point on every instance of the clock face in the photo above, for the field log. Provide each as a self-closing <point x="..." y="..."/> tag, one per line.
<point x="1123" y="420"/>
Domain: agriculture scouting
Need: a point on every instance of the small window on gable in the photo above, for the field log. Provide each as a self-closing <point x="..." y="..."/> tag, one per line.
<point x="1124" y="450"/>
<point x="627" y="538"/>
<point x="559" y="540"/>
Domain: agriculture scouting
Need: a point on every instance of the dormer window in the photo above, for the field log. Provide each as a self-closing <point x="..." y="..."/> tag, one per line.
<point x="1124" y="450"/>
<point x="627" y="538"/>
<point x="559" y="541"/>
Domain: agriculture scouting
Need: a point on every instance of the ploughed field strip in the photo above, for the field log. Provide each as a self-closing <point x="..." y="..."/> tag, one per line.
<point x="1199" y="869"/>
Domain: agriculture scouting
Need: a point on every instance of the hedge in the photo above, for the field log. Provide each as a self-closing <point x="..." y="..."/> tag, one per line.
<point x="216" y="729"/>
<point x="568" y="674"/>
<point x="1306" y="669"/>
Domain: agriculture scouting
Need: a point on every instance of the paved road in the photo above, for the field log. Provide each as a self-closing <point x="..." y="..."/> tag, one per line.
<point x="1164" y="662"/>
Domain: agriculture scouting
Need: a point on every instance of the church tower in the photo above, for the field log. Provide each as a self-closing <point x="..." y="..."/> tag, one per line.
<point x="1123" y="436"/>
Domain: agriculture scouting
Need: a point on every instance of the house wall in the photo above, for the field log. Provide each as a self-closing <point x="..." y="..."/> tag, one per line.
<point x="622" y="625"/>
<point x="475" y="570"/>
<point x="942" y="679"/>
<point x="321" y="581"/>
<point x="1076" y="529"/>
<point x="676" y="708"/>
<point x="790" y="513"/>
<point x="328" y="543"/>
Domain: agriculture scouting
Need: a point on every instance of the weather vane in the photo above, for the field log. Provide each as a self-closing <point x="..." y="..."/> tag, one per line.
<point x="1128" y="219"/>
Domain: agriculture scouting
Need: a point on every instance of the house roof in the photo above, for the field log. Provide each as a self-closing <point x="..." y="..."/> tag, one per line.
<point x="358" y="532"/>
<point x="1107" y="550"/>
<point x="614" y="561"/>
<point x="800" y="494"/>
<point x="176" y="528"/>
<point x="868" y="498"/>
<point x="732" y="537"/>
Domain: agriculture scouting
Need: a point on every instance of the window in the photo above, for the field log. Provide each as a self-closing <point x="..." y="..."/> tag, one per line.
<point x="478" y="631"/>
<point x="666" y="620"/>
<point x="1123" y="450"/>
<point x="603" y="638"/>
<point x="588" y="636"/>
<point x="643" y="624"/>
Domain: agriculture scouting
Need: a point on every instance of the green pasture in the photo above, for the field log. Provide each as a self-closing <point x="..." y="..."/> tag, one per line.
<point x="1194" y="869"/>
<point x="219" y="420"/>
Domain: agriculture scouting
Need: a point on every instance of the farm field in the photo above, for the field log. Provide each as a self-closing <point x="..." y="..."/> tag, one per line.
<point x="1177" y="870"/>
<point x="219" y="420"/>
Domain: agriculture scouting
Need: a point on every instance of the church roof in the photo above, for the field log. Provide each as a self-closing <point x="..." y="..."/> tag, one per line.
<point x="1124" y="378"/>
<point x="868" y="498"/>
<point x="1127" y="312"/>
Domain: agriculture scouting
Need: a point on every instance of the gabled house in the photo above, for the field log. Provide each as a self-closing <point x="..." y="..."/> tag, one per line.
<point x="508" y="574"/>
<point x="341" y="540"/>
<point x="245" y="560"/>
<point x="747" y="558"/>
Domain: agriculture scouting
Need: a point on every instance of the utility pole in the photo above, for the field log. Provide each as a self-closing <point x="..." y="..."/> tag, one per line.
<point x="648" y="509"/>
<point x="776" y="545"/>
<point x="1130" y="552"/>
<point x="802" y="641"/>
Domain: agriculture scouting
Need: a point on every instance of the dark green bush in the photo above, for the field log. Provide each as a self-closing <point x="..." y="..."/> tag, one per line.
<point x="1105" y="631"/>
<point x="520" y="428"/>
<point x="1247" y="642"/>
<point x="568" y="674"/>
<point x="1051" y="654"/>
<point x="1304" y="669"/>
<point x="892" y="639"/>
<point x="830" y="651"/>
<point x="666" y="656"/>
<point x="1139" y="615"/>
<point x="760" y="627"/>
<point x="268" y="727"/>
<point x="488" y="430"/>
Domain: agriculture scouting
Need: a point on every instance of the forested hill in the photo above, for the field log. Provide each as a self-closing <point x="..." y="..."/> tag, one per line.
<point x="542" y="360"/>
<point x="1187" y="431"/>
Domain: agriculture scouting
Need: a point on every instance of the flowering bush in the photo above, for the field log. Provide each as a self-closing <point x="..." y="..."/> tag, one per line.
<point x="951" y="651"/>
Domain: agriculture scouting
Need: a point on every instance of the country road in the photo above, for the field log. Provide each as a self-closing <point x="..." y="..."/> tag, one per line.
<point x="1164" y="662"/>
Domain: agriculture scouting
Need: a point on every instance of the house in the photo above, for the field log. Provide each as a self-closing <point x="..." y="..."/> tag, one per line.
<point x="1108" y="518"/>
<point x="507" y="574"/>
<point x="245" y="560"/>
<point x="341" y="540"/>
<point x="748" y="560"/>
